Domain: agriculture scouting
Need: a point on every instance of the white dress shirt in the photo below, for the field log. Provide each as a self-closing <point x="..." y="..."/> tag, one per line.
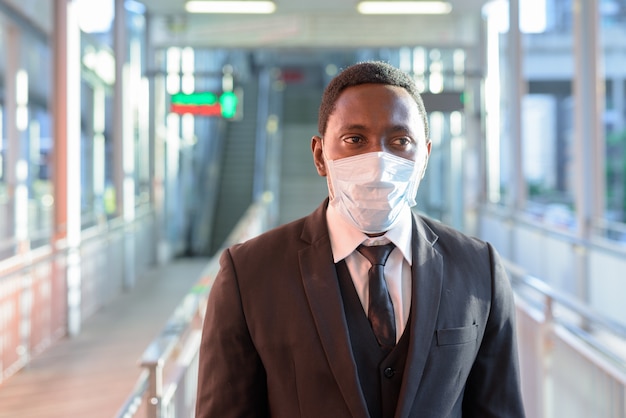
<point x="345" y="238"/>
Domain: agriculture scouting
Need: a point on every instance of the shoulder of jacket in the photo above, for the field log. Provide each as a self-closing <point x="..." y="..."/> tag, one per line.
<point x="449" y="236"/>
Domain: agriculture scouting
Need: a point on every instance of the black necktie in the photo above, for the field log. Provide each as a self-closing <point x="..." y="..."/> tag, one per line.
<point x="380" y="312"/>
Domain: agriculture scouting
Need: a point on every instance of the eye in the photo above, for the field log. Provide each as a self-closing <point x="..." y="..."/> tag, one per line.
<point x="402" y="142"/>
<point x="353" y="139"/>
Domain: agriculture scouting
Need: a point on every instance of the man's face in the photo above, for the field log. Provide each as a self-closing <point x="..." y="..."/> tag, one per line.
<point x="372" y="118"/>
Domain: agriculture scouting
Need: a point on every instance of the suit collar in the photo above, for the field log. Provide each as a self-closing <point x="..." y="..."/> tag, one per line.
<point x="321" y="286"/>
<point x="426" y="294"/>
<point x="424" y="232"/>
<point x="315" y="227"/>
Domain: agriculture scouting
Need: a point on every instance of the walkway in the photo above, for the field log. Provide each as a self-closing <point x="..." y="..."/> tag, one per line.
<point x="92" y="374"/>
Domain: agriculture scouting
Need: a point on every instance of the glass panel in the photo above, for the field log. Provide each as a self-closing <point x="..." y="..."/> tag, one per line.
<point x="547" y="122"/>
<point x="546" y="111"/>
<point x="613" y="36"/>
<point x="137" y="94"/>
<point x="36" y="136"/>
<point x="97" y="87"/>
<point x="496" y="15"/>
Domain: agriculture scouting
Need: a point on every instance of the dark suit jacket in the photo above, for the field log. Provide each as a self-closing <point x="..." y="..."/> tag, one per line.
<point x="275" y="341"/>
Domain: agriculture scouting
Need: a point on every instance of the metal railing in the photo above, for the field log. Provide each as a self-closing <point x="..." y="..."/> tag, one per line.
<point x="573" y="359"/>
<point x="32" y="306"/>
<point x="34" y="302"/>
<point x="167" y="385"/>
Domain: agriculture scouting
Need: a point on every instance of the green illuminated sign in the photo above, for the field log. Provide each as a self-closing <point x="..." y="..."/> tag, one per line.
<point x="205" y="104"/>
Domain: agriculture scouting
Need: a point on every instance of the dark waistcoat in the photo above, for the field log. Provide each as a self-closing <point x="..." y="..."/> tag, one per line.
<point x="380" y="372"/>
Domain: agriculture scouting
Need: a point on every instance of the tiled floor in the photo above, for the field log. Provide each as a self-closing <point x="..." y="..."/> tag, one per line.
<point x="92" y="374"/>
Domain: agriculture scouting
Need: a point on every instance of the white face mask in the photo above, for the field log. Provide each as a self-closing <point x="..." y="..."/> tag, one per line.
<point x="370" y="190"/>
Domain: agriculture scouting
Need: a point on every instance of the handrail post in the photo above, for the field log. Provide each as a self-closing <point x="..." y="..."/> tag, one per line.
<point x="180" y="337"/>
<point x="155" y="388"/>
<point x="547" y="346"/>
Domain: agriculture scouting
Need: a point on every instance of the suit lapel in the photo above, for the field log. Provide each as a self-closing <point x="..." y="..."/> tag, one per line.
<point x="319" y="278"/>
<point x="426" y="294"/>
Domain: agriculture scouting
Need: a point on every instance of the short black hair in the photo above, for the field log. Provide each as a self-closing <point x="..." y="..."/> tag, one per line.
<point x="369" y="72"/>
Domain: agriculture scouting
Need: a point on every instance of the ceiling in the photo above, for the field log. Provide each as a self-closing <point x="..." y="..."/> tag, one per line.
<point x="313" y="24"/>
<point x="296" y="23"/>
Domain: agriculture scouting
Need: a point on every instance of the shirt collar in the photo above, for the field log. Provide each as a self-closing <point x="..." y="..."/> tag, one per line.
<point x="345" y="237"/>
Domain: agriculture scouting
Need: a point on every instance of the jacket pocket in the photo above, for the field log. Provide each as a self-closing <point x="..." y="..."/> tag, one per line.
<point x="452" y="336"/>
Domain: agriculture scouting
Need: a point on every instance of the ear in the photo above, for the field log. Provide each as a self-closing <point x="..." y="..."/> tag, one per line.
<point x="318" y="155"/>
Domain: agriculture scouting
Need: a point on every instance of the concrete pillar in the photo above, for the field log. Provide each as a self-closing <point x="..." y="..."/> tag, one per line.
<point x="123" y="144"/>
<point x="67" y="171"/>
<point x="589" y="182"/>
<point x="516" y="195"/>
<point x="13" y="150"/>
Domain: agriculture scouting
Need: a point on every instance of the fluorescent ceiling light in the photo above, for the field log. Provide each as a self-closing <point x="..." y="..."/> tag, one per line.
<point x="404" y="7"/>
<point x="240" y="7"/>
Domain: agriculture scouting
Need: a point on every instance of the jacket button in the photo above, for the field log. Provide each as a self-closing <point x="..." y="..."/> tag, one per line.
<point x="389" y="372"/>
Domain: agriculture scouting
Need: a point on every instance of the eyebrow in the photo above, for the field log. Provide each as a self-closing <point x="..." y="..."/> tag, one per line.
<point x="394" y="128"/>
<point x="355" y="126"/>
<point x="403" y="128"/>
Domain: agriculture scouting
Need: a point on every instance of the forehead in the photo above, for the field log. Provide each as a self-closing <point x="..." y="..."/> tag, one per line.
<point x="375" y="90"/>
<point x="375" y="103"/>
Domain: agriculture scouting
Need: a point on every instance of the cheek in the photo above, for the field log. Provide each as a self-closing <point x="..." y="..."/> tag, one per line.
<point x="332" y="151"/>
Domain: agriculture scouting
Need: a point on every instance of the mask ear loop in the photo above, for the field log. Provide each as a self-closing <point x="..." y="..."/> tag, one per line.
<point x="425" y="165"/>
<point x="416" y="180"/>
<point x="329" y="176"/>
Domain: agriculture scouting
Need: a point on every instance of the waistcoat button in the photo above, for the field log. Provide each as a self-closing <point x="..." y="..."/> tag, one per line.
<point x="389" y="372"/>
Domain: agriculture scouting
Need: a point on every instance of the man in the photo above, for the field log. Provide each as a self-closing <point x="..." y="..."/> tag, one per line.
<point x="292" y="327"/>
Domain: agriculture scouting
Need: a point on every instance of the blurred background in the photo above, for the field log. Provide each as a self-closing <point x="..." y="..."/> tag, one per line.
<point x="135" y="134"/>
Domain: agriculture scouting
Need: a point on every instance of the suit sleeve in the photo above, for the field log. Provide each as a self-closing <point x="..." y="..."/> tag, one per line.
<point x="231" y="377"/>
<point x="493" y="388"/>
